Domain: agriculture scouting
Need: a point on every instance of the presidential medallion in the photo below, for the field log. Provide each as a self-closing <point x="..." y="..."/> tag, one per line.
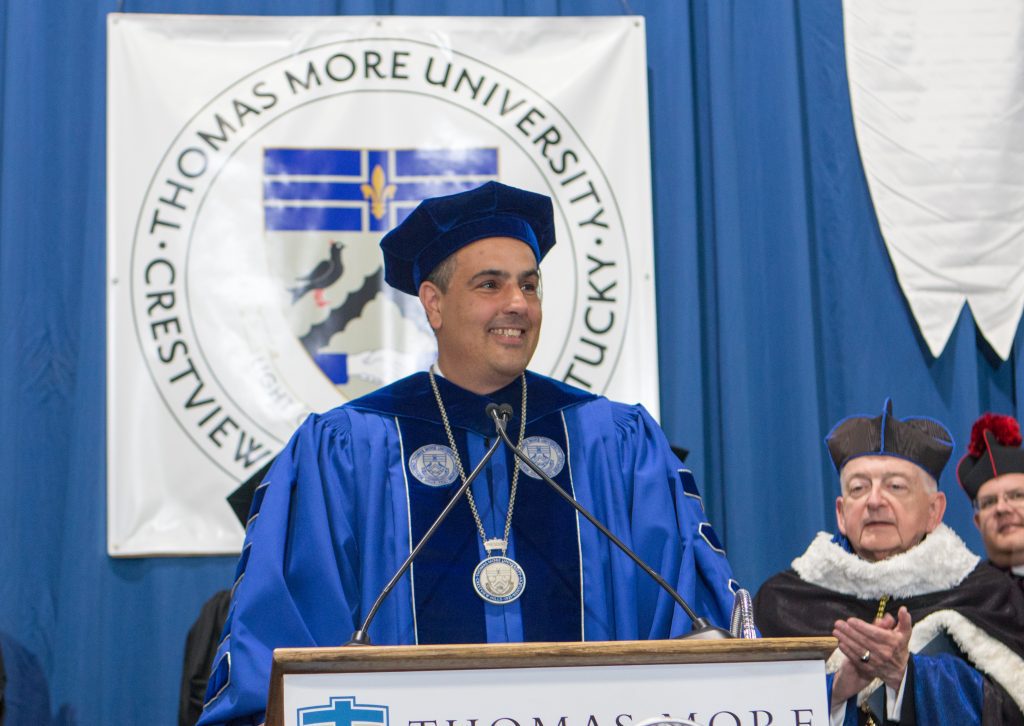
<point x="499" y="580"/>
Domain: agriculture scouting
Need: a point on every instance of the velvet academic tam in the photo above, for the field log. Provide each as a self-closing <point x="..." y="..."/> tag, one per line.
<point x="440" y="226"/>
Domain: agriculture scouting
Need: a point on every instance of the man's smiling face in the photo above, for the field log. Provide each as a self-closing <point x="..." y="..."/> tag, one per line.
<point x="488" y="319"/>
<point x="999" y="517"/>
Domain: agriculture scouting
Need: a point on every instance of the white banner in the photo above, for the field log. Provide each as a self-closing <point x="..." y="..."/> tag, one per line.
<point x="936" y="91"/>
<point x="254" y="163"/>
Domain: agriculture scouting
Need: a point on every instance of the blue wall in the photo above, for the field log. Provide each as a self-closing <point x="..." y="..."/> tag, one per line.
<point x="779" y="313"/>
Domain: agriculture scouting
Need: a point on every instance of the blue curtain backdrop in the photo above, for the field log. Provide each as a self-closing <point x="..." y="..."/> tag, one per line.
<point x="779" y="313"/>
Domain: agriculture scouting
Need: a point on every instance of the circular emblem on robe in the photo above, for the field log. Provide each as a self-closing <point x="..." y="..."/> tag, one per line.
<point x="545" y="453"/>
<point x="434" y="465"/>
<point x="499" y="580"/>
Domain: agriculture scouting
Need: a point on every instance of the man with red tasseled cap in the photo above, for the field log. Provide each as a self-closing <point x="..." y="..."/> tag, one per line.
<point x="992" y="475"/>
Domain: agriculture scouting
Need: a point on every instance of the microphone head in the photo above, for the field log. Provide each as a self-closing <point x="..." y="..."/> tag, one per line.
<point x="495" y="412"/>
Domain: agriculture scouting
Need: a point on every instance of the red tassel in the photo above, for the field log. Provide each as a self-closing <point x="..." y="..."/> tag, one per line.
<point x="1004" y="428"/>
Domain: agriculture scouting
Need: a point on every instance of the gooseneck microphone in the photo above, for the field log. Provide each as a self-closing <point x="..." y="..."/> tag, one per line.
<point x="362" y="636"/>
<point x="742" y="624"/>
<point x="702" y="629"/>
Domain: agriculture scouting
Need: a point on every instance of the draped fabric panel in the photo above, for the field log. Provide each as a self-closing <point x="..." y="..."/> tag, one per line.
<point x="779" y="313"/>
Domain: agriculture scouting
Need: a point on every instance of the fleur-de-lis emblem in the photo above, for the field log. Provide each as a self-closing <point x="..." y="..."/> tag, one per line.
<point x="378" y="192"/>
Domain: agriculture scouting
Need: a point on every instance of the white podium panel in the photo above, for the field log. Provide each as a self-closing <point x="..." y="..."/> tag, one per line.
<point x="787" y="693"/>
<point x="767" y="682"/>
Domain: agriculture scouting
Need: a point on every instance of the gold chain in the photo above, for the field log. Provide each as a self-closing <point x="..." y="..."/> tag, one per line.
<point x="462" y="472"/>
<point x="869" y="719"/>
<point x="881" y="607"/>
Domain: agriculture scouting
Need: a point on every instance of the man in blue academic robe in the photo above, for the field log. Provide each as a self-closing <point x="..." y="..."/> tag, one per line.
<point x="928" y="634"/>
<point x="357" y="487"/>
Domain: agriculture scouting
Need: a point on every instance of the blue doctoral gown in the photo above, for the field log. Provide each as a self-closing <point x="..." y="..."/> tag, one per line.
<point x="357" y="487"/>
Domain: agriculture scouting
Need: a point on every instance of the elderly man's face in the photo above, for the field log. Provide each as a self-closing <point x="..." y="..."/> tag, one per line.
<point x="886" y="507"/>
<point x="488" y="320"/>
<point x="999" y="516"/>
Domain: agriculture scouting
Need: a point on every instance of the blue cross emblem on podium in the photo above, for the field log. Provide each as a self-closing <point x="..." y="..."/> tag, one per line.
<point x="344" y="711"/>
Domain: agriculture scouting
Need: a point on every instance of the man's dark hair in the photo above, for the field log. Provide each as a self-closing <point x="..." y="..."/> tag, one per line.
<point x="442" y="274"/>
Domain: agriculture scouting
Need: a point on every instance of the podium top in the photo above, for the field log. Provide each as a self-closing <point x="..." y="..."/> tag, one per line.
<point x="372" y="658"/>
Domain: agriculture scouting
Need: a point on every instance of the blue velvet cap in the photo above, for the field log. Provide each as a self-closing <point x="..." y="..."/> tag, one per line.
<point x="441" y="226"/>
<point x="921" y="441"/>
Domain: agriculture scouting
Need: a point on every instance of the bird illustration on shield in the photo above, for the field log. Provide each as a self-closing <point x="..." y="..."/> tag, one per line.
<point x="323" y="275"/>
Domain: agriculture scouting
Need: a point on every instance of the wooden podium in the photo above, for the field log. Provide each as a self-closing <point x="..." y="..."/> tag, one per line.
<point x="778" y="681"/>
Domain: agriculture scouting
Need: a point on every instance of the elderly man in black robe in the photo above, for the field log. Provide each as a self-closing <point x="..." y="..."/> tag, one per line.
<point x="992" y="475"/>
<point x="927" y="633"/>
